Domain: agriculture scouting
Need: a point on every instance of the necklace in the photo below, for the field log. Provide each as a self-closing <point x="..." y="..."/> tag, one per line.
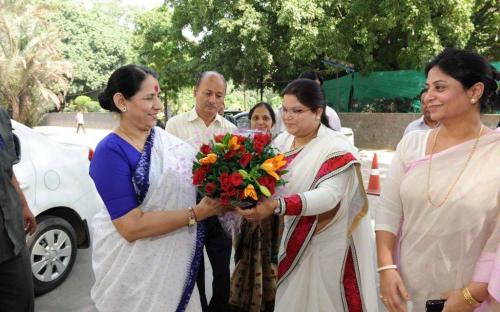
<point x="459" y="175"/>
<point x="139" y="147"/>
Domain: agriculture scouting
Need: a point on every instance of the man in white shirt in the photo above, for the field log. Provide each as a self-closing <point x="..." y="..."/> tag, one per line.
<point x="331" y="114"/>
<point x="202" y="122"/>
<point x="424" y="122"/>
<point x="196" y="127"/>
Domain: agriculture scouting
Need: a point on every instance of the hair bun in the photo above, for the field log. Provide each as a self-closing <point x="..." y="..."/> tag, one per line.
<point x="105" y="100"/>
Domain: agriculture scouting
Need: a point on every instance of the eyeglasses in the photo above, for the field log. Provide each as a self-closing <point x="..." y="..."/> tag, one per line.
<point x="294" y="112"/>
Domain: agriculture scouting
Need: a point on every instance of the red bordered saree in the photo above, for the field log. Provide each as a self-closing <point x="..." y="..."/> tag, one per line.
<point x="333" y="269"/>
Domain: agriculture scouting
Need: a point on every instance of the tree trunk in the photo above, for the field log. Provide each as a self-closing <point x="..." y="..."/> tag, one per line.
<point x="15" y="108"/>
<point x="24" y="108"/>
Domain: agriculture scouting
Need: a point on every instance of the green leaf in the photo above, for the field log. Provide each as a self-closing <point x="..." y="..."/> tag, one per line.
<point x="264" y="190"/>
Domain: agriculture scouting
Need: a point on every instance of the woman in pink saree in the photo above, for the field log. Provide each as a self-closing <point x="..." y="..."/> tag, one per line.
<point x="445" y="185"/>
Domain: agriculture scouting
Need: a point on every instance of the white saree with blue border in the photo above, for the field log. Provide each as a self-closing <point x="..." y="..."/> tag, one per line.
<point x="157" y="273"/>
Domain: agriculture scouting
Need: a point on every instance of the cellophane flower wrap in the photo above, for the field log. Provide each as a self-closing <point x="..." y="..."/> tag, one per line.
<point x="239" y="168"/>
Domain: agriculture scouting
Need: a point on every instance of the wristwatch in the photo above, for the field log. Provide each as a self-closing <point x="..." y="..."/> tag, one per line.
<point x="192" y="217"/>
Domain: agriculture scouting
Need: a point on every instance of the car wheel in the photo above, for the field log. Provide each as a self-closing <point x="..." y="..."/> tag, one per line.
<point x="52" y="253"/>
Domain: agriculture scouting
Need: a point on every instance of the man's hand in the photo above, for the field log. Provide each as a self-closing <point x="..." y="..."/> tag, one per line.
<point x="29" y="220"/>
<point x="28" y="217"/>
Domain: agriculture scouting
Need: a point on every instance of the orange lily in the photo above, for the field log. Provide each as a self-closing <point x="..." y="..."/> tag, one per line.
<point x="272" y="164"/>
<point x="250" y="192"/>
<point x="233" y="143"/>
<point x="209" y="159"/>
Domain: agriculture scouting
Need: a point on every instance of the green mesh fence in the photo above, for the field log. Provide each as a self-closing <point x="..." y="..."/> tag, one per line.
<point x="404" y="84"/>
<point x="337" y="92"/>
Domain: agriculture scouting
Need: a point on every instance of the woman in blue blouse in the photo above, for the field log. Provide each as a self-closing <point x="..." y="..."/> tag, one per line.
<point x="147" y="243"/>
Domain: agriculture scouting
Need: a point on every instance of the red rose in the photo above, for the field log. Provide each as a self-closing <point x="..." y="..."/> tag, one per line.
<point x="225" y="181"/>
<point x="205" y="149"/>
<point x="198" y="176"/>
<point x="265" y="138"/>
<point x="210" y="187"/>
<point x="218" y="138"/>
<point x="268" y="182"/>
<point x="258" y="146"/>
<point x="229" y="155"/>
<point x="230" y="193"/>
<point x="241" y="139"/>
<point x="245" y="159"/>
<point x="236" y="179"/>
<point x="205" y="169"/>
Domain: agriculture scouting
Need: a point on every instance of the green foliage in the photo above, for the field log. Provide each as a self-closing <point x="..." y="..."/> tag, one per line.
<point x="34" y="75"/>
<point x="393" y="35"/>
<point x="265" y="44"/>
<point x="96" y="40"/>
<point x="83" y="103"/>
<point x="155" y="47"/>
<point x="484" y="38"/>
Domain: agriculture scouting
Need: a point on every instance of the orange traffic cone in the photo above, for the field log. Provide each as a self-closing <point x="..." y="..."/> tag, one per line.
<point x="374" y="182"/>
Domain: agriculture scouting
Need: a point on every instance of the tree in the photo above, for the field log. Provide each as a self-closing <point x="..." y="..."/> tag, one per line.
<point x="258" y="43"/>
<point x="484" y="38"/>
<point x="156" y="47"/>
<point x="96" y="41"/>
<point x="394" y="35"/>
<point x="33" y="71"/>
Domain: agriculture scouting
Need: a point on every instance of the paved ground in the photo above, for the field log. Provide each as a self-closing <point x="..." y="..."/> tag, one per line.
<point x="74" y="294"/>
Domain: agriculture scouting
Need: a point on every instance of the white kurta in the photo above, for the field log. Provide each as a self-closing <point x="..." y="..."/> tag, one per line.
<point x="149" y="274"/>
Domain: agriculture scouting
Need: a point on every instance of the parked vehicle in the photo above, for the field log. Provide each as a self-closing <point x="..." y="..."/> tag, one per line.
<point x="242" y="122"/>
<point x="60" y="193"/>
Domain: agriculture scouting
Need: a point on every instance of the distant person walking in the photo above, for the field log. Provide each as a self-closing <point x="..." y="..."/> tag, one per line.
<point x="79" y="121"/>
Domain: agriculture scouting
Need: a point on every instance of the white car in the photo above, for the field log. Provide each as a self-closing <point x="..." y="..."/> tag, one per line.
<point x="56" y="183"/>
<point x="243" y="122"/>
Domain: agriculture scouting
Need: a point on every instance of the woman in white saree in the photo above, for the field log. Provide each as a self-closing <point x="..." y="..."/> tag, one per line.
<point x="442" y="194"/>
<point x="326" y="260"/>
<point x="147" y="243"/>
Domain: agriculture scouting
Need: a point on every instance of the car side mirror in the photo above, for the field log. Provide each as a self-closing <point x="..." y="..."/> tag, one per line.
<point x="17" y="147"/>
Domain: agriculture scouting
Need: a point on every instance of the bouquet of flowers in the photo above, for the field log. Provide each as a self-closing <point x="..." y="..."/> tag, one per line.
<point x="239" y="168"/>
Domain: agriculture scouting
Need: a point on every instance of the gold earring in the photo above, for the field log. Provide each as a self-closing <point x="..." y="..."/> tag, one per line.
<point x="473" y="100"/>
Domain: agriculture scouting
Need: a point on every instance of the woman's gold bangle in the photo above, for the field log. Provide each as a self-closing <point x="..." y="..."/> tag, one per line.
<point x="468" y="297"/>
